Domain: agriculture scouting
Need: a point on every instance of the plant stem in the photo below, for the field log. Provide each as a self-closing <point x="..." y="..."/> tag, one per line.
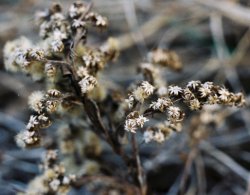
<point x="140" y="173"/>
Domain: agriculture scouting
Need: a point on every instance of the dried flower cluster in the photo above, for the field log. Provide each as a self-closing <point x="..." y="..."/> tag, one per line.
<point x="76" y="95"/>
<point x="142" y="92"/>
<point x="194" y="95"/>
<point x="134" y="121"/>
<point x="165" y="58"/>
<point x="44" y="105"/>
<point x="61" y="34"/>
<point x="53" y="180"/>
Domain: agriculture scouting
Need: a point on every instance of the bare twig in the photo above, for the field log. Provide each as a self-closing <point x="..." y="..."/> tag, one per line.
<point x="231" y="10"/>
<point x="228" y="72"/>
<point x="148" y="29"/>
<point x="132" y="20"/>
<point x="140" y="173"/>
<point x="240" y="50"/>
<point x="199" y="165"/>
<point x="226" y="160"/>
<point x="187" y="169"/>
<point x="79" y="32"/>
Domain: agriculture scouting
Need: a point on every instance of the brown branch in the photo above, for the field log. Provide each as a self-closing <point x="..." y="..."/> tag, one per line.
<point x="79" y="32"/>
<point x="201" y="175"/>
<point x="187" y="169"/>
<point x="149" y="28"/>
<point x="93" y="112"/>
<point x="226" y="160"/>
<point x="140" y="173"/>
<point x="241" y="50"/>
<point x="233" y="11"/>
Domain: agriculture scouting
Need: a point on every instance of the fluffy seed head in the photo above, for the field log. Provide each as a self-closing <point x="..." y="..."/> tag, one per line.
<point x="35" y="101"/>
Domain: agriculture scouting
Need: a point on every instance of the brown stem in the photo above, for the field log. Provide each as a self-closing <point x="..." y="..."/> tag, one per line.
<point x="140" y="173"/>
<point x="234" y="11"/>
<point x="79" y="31"/>
<point x="92" y="110"/>
<point x="187" y="169"/>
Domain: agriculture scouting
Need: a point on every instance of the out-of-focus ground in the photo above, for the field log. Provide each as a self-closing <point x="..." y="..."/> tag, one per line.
<point x="213" y="41"/>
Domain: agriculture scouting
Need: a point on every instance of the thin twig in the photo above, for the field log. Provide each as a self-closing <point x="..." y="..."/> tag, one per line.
<point x="148" y="29"/>
<point x="187" y="169"/>
<point x="229" y="9"/>
<point x="228" y="72"/>
<point x="226" y="160"/>
<point x="132" y="20"/>
<point x="199" y="165"/>
<point x="241" y="49"/>
<point x="140" y="173"/>
<point x="79" y="32"/>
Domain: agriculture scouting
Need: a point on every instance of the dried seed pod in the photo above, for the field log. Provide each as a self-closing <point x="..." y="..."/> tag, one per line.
<point x="36" y="100"/>
<point x="143" y="91"/>
<point x="97" y="20"/>
<point x="54" y="93"/>
<point x="50" y="70"/>
<point x="110" y="49"/>
<point x="44" y="121"/>
<point x="193" y="85"/>
<point x="239" y="99"/>
<point x="27" y="139"/>
<point x="161" y="104"/>
<point x="188" y="95"/>
<point x="175" y="114"/>
<point x="51" y="106"/>
<point x="36" y="54"/>
<point x="56" y="45"/>
<point x="133" y="121"/>
<point x="87" y="83"/>
<point x="77" y="9"/>
<point x="133" y="115"/>
<point x="82" y="72"/>
<point x="77" y="23"/>
<point x="175" y="91"/>
<point x="166" y="58"/>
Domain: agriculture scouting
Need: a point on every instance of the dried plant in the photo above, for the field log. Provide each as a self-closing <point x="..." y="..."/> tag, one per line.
<point x="77" y="102"/>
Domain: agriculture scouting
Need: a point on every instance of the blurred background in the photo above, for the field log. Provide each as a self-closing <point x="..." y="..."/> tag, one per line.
<point x="212" y="39"/>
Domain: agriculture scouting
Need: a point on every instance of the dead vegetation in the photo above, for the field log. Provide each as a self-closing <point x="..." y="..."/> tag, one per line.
<point x="195" y="149"/>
